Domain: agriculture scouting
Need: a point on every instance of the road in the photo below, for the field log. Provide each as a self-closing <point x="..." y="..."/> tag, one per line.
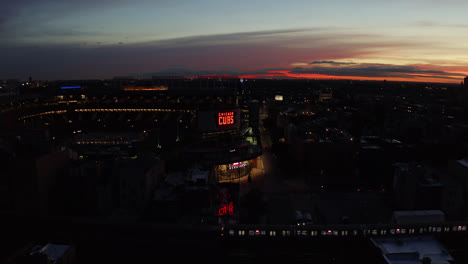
<point x="266" y="176"/>
<point x="278" y="190"/>
<point x="269" y="178"/>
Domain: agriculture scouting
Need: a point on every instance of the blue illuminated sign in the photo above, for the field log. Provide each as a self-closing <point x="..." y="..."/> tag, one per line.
<point x="70" y="87"/>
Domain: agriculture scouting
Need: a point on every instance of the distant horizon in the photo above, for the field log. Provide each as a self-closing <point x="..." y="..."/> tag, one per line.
<point x="247" y="77"/>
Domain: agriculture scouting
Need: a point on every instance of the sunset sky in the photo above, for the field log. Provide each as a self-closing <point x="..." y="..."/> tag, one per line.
<point x="394" y="40"/>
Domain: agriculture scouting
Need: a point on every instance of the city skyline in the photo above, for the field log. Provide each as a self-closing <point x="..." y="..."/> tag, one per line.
<point x="366" y="40"/>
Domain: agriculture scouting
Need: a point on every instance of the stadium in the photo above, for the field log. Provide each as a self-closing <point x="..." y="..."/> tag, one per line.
<point x="206" y="120"/>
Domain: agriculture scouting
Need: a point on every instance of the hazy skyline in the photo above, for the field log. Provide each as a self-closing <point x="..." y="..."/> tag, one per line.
<point x="398" y="40"/>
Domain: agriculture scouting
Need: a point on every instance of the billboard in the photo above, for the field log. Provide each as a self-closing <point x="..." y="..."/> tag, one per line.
<point x="278" y="98"/>
<point x="217" y="119"/>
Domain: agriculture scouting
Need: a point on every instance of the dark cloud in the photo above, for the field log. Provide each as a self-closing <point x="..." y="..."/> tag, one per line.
<point x="229" y="39"/>
<point x="237" y="51"/>
<point x="438" y="77"/>
<point x="331" y="62"/>
<point x="375" y="70"/>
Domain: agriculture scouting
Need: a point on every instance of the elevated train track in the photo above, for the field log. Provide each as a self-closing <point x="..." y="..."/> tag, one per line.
<point x="278" y="232"/>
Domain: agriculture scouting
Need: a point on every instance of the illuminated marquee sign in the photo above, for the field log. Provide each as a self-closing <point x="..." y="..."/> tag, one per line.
<point x="225" y="118"/>
<point x="237" y="165"/>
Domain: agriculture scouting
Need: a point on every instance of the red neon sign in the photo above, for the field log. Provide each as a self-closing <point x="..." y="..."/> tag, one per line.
<point x="225" y="118"/>
<point x="226" y="209"/>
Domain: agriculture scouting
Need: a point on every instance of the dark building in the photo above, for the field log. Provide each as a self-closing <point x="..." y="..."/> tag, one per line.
<point x="420" y="187"/>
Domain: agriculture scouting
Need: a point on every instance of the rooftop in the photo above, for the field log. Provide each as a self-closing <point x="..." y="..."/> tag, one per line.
<point x="463" y="162"/>
<point x="426" y="216"/>
<point x="54" y="252"/>
<point x="410" y="250"/>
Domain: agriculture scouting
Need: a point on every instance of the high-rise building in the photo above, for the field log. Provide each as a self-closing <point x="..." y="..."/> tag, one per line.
<point x="466" y="82"/>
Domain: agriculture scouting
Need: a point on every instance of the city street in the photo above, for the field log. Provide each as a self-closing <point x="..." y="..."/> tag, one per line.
<point x="267" y="177"/>
<point x="277" y="189"/>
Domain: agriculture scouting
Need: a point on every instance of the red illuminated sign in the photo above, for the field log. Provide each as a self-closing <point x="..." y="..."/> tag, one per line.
<point x="226" y="209"/>
<point x="226" y="206"/>
<point x="225" y="118"/>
